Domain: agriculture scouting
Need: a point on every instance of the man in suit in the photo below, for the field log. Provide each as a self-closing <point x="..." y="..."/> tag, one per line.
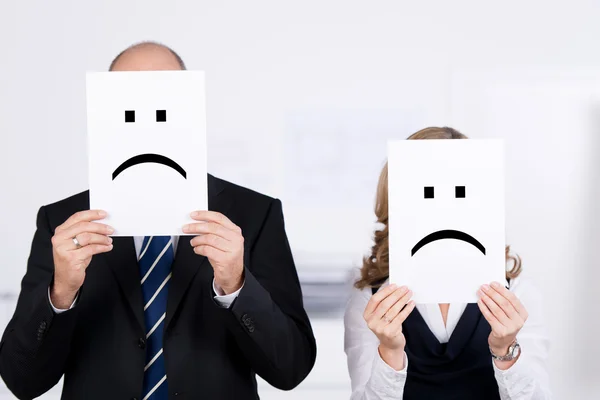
<point x="195" y="316"/>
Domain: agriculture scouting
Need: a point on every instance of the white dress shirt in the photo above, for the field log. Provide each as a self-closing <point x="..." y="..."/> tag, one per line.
<point x="373" y="379"/>
<point x="224" y="300"/>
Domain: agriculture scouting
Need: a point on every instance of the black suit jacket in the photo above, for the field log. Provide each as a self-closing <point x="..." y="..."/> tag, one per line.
<point x="210" y="352"/>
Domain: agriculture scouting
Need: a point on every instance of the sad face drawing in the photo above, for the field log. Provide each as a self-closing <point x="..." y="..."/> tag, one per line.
<point x="147" y="149"/>
<point x="446" y="212"/>
<point x="161" y="116"/>
<point x="460" y="193"/>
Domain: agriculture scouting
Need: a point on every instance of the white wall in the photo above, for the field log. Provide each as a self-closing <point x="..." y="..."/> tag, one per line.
<point x="282" y="75"/>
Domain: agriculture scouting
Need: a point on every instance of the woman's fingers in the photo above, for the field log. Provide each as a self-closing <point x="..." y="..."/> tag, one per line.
<point x="501" y="301"/>
<point x="377" y="298"/>
<point x="494" y="308"/>
<point x="394" y="328"/>
<point x="400" y="318"/>
<point x="385" y="305"/>
<point x="502" y="314"/>
<point x="402" y="315"/>
<point x="397" y="307"/>
<point x="487" y="314"/>
<point x="511" y="297"/>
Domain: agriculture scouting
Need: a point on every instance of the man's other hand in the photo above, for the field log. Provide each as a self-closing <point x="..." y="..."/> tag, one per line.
<point x="221" y="241"/>
<point x="73" y="245"/>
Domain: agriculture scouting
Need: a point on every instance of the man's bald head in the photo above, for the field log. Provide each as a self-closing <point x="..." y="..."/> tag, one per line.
<point x="147" y="56"/>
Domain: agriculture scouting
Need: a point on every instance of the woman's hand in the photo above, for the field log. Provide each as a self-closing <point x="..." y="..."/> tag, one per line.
<point x="386" y="311"/>
<point x="505" y="314"/>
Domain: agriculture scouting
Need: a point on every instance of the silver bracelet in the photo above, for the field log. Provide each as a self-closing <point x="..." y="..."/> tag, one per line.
<point x="513" y="352"/>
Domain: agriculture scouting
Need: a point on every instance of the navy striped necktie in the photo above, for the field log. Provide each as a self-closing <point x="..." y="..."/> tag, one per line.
<point x="155" y="260"/>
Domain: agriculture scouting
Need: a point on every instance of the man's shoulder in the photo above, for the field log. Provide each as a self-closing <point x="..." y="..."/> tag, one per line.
<point x="80" y="200"/>
<point x="59" y="211"/>
<point x="238" y="192"/>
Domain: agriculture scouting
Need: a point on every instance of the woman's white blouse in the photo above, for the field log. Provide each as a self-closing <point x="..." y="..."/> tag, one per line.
<point x="373" y="379"/>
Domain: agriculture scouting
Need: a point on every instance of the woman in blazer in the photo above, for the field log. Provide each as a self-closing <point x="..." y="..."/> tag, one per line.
<point x="495" y="349"/>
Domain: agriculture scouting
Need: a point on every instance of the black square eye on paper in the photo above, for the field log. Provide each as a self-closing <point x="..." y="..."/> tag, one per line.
<point x="460" y="192"/>
<point x="161" y="115"/>
<point x="129" y="116"/>
<point x="428" y="192"/>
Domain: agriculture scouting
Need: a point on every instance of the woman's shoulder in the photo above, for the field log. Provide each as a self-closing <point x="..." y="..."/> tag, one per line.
<point x="360" y="295"/>
<point x="522" y="282"/>
<point x="355" y="307"/>
<point x="358" y="299"/>
<point x="525" y="288"/>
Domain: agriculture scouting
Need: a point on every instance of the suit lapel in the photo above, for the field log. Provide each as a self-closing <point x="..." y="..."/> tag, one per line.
<point x="123" y="262"/>
<point x="187" y="263"/>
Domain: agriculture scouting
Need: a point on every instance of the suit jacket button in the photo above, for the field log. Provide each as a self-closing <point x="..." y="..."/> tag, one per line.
<point x="249" y="323"/>
<point x="43" y="325"/>
<point x="142" y="343"/>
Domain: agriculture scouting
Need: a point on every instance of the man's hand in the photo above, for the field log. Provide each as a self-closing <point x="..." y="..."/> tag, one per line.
<point x="70" y="260"/>
<point x="221" y="241"/>
<point x="506" y="316"/>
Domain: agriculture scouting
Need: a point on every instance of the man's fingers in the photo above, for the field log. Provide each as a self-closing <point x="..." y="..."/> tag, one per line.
<point x="381" y="294"/>
<point x="213" y="241"/>
<point x="91" y="250"/>
<point x="88" y="238"/>
<point x="210" y="228"/>
<point x="213" y="216"/>
<point x="85" y="226"/>
<point x="87" y="215"/>
<point x="389" y="301"/>
<point x="209" y="252"/>
<point x="511" y="297"/>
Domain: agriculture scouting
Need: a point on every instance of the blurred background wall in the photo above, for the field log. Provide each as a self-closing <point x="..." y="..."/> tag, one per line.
<point x="301" y="99"/>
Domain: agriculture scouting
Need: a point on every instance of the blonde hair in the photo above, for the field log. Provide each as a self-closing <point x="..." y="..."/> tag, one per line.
<point x="375" y="269"/>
